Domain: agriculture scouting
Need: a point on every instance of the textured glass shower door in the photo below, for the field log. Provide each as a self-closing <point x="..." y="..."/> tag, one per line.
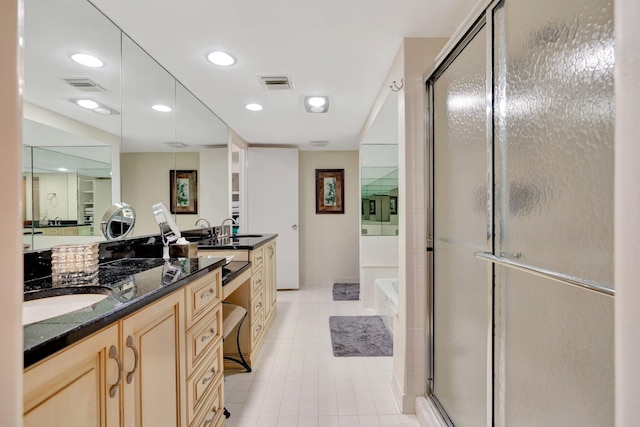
<point x="461" y="311"/>
<point x="553" y="191"/>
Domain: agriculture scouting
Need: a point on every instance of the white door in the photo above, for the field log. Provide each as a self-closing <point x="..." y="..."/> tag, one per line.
<point x="272" y="206"/>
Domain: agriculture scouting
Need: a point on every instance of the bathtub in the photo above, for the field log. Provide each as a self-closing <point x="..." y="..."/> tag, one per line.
<point x="386" y="297"/>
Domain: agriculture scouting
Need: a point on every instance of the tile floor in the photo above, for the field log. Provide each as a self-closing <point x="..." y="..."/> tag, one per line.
<point x="298" y="382"/>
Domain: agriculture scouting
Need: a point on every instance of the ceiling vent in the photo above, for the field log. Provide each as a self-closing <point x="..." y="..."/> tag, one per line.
<point x="275" y="82"/>
<point x="85" y="84"/>
<point x="319" y="143"/>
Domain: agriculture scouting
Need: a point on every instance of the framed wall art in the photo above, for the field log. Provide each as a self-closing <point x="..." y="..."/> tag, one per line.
<point x="184" y="191"/>
<point x="329" y="191"/>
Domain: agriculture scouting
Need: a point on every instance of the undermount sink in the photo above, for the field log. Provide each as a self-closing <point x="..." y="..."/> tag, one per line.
<point x="49" y="304"/>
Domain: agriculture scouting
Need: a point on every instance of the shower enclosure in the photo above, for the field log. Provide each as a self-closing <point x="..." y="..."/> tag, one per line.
<point x="521" y="153"/>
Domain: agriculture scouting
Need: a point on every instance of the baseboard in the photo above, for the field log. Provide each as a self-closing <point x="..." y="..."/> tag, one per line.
<point x="404" y="402"/>
<point x="345" y="280"/>
<point x="427" y="414"/>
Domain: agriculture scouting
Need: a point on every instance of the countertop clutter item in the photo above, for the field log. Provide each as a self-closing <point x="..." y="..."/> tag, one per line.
<point x="74" y="264"/>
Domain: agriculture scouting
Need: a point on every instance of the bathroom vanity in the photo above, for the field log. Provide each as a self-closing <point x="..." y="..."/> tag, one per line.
<point x="151" y="349"/>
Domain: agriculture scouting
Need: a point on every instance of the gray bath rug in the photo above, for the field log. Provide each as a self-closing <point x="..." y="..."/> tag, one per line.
<point x="346" y="291"/>
<point x="360" y="336"/>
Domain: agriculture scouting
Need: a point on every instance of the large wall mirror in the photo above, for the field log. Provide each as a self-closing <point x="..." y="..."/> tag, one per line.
<point x="92" y="136"/>
<point x="379" y="173"/>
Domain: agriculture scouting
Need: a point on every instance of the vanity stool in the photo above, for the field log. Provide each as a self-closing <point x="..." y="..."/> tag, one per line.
<point x="233" y="315"/>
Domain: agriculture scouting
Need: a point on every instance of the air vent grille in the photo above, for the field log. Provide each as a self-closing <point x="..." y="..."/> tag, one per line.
<point x="85" y="84"/>
<point x="176" y="144"/>
<point x="275" y="82"/>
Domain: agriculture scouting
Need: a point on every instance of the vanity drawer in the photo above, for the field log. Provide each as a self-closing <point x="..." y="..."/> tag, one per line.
<point x="202" y="336"/>
<point x="205" y="379"/>
<point x="257" y="305"/>
<point x="211" y="414"/>
<point x="257" y="281"/>
<point x="257" y="327"/>
<point x="201" y="295"/>
<point x="257" y="259"/>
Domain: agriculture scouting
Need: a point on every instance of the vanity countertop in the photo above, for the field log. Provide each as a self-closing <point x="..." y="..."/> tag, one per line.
<point x="134" y="283"/>
<point x="237" y="242"/>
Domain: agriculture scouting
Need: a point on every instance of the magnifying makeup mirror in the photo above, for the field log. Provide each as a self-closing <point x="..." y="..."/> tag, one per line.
<point x="168" y="229"/>
<point x="118" y="221"/>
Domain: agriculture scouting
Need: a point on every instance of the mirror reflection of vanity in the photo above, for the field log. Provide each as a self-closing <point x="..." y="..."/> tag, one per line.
<point x="78" y="160"/>
<point x="379" y="173"/>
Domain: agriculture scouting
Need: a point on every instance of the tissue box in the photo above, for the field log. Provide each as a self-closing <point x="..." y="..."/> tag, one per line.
<point x="189" y="250"/>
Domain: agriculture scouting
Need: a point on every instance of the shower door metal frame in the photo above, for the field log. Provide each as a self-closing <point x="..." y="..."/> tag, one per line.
<point x="484" y="20"/>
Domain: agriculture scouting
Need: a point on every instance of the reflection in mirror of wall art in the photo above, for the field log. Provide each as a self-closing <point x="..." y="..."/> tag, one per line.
<point x="372" y="207"/>
<point x="184" y="191"/>
<point x="393" y="205"/>
<point x="329" y="191"/>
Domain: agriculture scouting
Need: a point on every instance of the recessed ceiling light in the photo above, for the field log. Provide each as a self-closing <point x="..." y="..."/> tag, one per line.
<point x="63" y="169"/>
<point x="317" y="101"/>
<point x="316" y="104"/>
<point x="253" y="107"/>
<point x="222" y="59"/>
<point x="102" y="110"/>
<point x="87" y="103"/>
<point x="87" y="60"/>
<point x="162" y="108"/>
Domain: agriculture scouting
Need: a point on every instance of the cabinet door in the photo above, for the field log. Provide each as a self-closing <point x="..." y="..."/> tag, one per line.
<point x="154" y="374"/>
<point x="77" y="387"/>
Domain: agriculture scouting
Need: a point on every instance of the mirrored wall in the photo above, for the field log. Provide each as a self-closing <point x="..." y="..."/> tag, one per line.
<point x="379" y="173"/>
<point x="94" y="135"/>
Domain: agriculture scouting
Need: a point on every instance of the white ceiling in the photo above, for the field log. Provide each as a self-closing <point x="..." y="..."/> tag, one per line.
<point x="339" y="48"/>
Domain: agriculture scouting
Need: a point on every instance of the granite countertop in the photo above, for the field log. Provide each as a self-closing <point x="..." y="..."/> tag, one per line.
<point x="131" y="284"/>
<point x="237" y="242"/>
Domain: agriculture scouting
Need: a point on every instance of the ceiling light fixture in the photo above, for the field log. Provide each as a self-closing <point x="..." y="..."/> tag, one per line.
<point x="94" y="106"/>
<point x="162" y="108"/>
<point x="253" y="107"/>
<point x="316" y="104"/>
<point x="87" y="103"/>
<point x="222" y="59"/>
<point x="87" y="60"/>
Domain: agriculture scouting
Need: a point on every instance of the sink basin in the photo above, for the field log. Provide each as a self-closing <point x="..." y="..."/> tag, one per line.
<point x="47" y="307"/>
<point x="238" y="236"/>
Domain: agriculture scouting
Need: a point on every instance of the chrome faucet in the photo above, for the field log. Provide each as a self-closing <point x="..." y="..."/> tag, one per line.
<point x="222" y="232"/>
<point x="57" y="220"/>
<point x="203" y="220"/>
<point x="206" y="224"/>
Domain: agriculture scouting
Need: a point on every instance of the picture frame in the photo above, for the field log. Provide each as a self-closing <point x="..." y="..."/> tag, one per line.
<point x="372" y="207"/>
<point x="329" y="191"/>
<point x="393" y="205"/>
<point x="183" y="191"/>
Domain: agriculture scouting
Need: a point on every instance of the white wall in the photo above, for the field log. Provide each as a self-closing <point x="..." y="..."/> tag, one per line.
<point x="627" y="212"/>
<point x="329" y="242"/>
<point x="213" y="183"/>
<point x="11" y="224"/>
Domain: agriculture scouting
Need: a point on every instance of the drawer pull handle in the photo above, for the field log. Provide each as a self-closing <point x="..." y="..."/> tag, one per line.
<point x="132" y="346"/>
<point x="210" y="420"/>
<point x="113" y="354"/>
<point x="258" y="306"/>
<point x="207" y="294"/>
<point x="258" y="259"/>
<point x="212" y="332"/>
<point x="258" y="329"/>
<point x="209" y="377"/>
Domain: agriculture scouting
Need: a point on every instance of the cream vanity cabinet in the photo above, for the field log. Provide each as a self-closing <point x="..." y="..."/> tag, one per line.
<point x="258" y="296"/>
<point x="160" y="366"/>
<point x="78" y="387"/>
